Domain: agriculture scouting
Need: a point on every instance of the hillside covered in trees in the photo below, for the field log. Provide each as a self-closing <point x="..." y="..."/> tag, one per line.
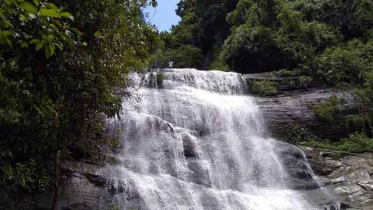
<point x="257" y="36"/>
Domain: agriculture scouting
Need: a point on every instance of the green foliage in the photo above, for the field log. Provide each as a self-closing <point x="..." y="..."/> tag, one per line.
<point x="113" y="207"/>
<point x="219" y="65"/>
<point x="352" y="17"/>
<point x="271" y="35"/>
<point x="357" y="123"/>
<point x="185" y="56"/>
<point x="364" y="97"/>
<point x="326" y="111"/>
<point x="328" y="40"/>
<point x="41" y="24"/>
<point x="287" y="73"/>
<point x="202" y="26"/>
<point x="294" y="78"/>
<point x="346" y="63"/>
<point x="160" y="78"/>
<point x="296" y="134"/>
<point x="263" y="87"/>
<point x="60" y="72"/>
<point x="27" y="176"/>
<point x="356" y="143"/>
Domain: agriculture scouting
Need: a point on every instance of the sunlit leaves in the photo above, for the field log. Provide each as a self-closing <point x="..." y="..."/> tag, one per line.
<point x="49" y="13"/>
<point x="36" y="2"/>
<point x="42" y="21"/>
<point x="28" y="7"/>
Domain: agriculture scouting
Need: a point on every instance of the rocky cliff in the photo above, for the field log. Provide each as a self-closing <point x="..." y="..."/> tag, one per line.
<point x="292" y="105"/>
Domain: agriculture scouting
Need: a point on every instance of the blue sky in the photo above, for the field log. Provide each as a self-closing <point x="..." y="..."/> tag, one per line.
<point x="163" y="16"/>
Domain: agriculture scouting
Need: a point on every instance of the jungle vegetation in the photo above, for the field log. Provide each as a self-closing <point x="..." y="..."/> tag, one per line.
<point x="63" y="67"/>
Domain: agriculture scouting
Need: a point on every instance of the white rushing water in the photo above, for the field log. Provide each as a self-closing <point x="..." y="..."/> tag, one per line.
<point x="196" y="142"/>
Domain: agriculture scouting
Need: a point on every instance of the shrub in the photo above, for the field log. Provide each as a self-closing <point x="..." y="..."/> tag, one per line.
<point x="29" y="175"/>
<point x="296" y="134"/>
<point x="357" y="123"/>
<point x="364" y="98"/>
<point x="346" y="63"/>
<point x="185" y="56"/>
<point x="326" y="111"/>
<point x="263" y="87"/>
<point x="357" y="143"/>
<point x="160" y="78"/>
<point x="287" y="73"/>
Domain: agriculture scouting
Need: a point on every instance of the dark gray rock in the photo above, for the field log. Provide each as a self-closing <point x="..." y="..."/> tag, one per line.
<point x="294" y="108"/>
<point x="300" y="174"/>
<point x="82" y="189"/>
<point x="189" y="146"/>
<point x="348" y="178"/>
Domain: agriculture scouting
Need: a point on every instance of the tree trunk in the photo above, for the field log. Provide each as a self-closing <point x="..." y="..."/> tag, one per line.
<point x="57" y="165"/>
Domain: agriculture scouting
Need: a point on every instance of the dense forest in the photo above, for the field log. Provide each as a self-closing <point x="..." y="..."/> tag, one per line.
<point x="64" y="67"/>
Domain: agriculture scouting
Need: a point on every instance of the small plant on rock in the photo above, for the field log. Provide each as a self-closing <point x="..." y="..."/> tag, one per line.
<point x="263" y="87"/>
<point x="327" y="111"/>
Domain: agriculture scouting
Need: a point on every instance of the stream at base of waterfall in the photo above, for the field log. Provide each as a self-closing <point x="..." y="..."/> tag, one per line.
<point x="196" y="140"/>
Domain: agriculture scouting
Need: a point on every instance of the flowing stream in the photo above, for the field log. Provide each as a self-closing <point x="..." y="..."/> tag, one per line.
<point x="194" y="140"/>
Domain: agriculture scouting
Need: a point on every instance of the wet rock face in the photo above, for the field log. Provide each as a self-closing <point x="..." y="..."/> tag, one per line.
<point x="293" y="107"/>
<point x="82" y="189"/>
<point x="349" y="178"/>
<point x="301" y="177"/>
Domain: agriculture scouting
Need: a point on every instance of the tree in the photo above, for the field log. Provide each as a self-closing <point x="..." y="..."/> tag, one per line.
<point x="59" y="72"/>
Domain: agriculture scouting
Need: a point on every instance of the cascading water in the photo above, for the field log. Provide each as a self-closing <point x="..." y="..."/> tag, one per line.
<point x="196" y="141"/>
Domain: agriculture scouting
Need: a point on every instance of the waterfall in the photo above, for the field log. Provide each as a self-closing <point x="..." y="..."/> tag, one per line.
<point x="195" y="140"/>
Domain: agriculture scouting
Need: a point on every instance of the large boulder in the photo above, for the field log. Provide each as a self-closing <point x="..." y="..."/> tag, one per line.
<point x="349" y="177"/>
<point x="82" y="189"/>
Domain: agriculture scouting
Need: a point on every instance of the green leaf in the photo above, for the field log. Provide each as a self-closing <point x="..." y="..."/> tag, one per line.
<point x="77" y="31"/>
<point x="11" y="1"/>
<point x="6" y="33"/>
<point x="9" y="42"/>
<point x="38" y="46"/>
<point x="68" y="15"/>
<point x="28" y="7"/>
<point x="36" y="2"/>
<point x="24" y="45"/>
<point x="49" y="13"/>
<point x="58" y="23"/>
<point x="34" y="41"/>
<point x="51" y="6"/>
<point x="49" y="50"/>
<point x="53" y="26"/>
<point x="59" y="46"/>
